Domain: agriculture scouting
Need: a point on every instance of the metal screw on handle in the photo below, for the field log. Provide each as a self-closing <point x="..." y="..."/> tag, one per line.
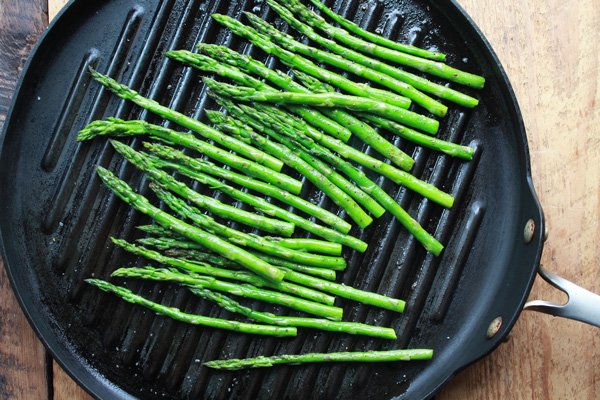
<point x="582" y="304"/>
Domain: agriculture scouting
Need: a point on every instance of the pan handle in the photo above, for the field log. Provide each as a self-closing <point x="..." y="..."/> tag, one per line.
<point x="582" y="305"/>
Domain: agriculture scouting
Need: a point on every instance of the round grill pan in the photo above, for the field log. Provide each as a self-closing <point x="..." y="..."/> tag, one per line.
<point x="56" y="217"/>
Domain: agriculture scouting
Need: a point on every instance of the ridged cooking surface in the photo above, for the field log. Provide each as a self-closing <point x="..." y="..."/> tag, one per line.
<point x="151" y="356"/>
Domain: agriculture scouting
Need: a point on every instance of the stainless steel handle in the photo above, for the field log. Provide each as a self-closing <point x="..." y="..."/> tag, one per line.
<point x="582" y="305"/>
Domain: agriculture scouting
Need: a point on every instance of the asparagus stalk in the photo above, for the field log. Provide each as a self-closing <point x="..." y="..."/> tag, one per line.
<point x="416" y="81"/>
<point x="208" y="64"/>
<point x="424" y="65"/>
<point x="309" y="245"/>
<point x="178" y="159"/>
<point x="295" y="359"/>
<point x="352" y="328"/>
<point x="141" y="161"/>
<point x="296" y="161"/>
<point x="243" y="290"/>
<point x="452" y="149"/>
<point x="299" y="62"/>
<point x="245" y="239"/>
<point x="378" y="39"/>
<point x="119" y="128"/>
<point x="206" y="131"/>
<point x="395" y="85"/>
<point x="296" y="129"/>
<point x="195" y="255"/>
<point x="355" y="103"/>
<point x="193" y="319"/>
<point x="395" y="155"/>
<point x="428" y="241"/>
<point x="240" y="276"/>
<point x="268" y="208"/>
<point x="210" y="241"/>
<point x="180" y="247"/>
<point x="355" y="125"/>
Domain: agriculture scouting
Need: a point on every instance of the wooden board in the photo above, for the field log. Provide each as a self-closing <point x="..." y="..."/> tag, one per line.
<point x="551" y="53"/>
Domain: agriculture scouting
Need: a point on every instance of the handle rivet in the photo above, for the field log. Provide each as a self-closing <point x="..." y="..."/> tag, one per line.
<point x="494" y="327"/>
<point x="529" y="230"/>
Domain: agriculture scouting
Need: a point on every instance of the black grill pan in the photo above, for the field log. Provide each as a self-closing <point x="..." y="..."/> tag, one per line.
<point x="56" y="217"/>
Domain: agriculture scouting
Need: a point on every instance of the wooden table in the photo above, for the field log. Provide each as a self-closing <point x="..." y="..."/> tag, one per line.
<point x="551" y="52"/>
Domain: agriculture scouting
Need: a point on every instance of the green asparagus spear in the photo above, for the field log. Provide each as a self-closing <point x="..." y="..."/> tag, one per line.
<point x="245" y="93"/>
<point x="243" y="290"/>
<point x="395" y="155"/>
<point x="193" y="319"/>
<point x="245" y="239"/>
<point x="119" y="128"/>
<point x="424" y="65"/>
<point x="295" y="359"/>
<point x="352" y="328"/>
<point x="189" y="253"/>
<point x="296" y="161"/>
<point x="179" y="158"/>
<point x="309" y="245"/>
<point x="395" y="85"/>
<point x="241" y="276"/>
<point x="208" y="64"/>
<point x="210" y="241"/>
<point x="301" y="63"/>
<point x="297" y="130"/>
<point x="231" y="143"/>
<point x="429" y="242"/>
<point x="141" y="161"/>
<point x="378" y="39"/>
<point x="416" y="81"/>
<point x="452" y="149"/>
<point x="266" y="207"/>
<point x="355" y="125"/>
<point x="157" y="230"/>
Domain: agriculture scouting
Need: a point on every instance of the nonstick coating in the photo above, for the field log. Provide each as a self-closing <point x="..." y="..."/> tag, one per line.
<point x="56" y="217"/>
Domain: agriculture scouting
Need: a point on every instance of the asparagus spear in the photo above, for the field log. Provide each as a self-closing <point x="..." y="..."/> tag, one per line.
<point x="119" y="128"/>
<point x="352" y="328"/>
<point x="243" y="290"/>
<point x="395" y="155"/>
<point x="416" y="81"/>
<point x="141" y="161"/>
<point x="395" y="85"/>
<point x="296" y="130"/>
<point x="178" y="158"/>
<point x="295" y="359"/>
<point x="452" y="149"/>
<point x="172" y="248"/>
<point x="268" y="208"/>
<point x="245" y="93"/>
<point x="296" y="161"/>
<point x="449" y="148"/>
<point x="378" y="39"/>
<point x="193" y="319"/>
<point x="309" y="245"/>
<point x="211" y="242"/>
<point x="245" y="239"/>
<point x="429" y="242"/>
<point x="241" y="276"/>
<point x="424" y="65"/>
<point x="299" y="62"/>
<point x="355" y="125"/>
<point x="240" y="128"/>
<point x="231" y="143"/>
<point x="208" y="64"/>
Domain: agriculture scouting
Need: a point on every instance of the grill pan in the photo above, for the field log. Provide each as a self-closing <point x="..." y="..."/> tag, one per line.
<point x="56" y="217"/>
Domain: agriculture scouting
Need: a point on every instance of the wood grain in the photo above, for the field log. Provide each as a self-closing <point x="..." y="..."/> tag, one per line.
<point x="22" y="356"/>
<point x="551" y="53"/>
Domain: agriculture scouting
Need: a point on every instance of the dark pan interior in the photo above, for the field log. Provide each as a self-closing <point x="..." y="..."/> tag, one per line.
<point x="56" y="217"/>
